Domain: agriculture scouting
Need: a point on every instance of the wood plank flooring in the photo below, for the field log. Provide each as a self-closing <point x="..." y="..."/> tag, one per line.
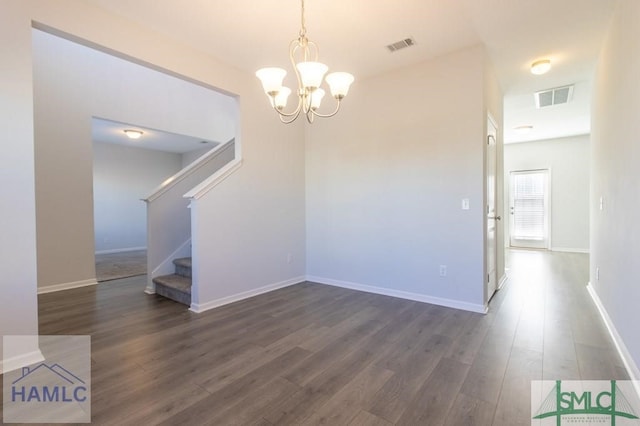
<point x="313" y="354"/>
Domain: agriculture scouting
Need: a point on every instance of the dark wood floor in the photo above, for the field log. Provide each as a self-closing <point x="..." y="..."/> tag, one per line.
<point x="315" y="354"/>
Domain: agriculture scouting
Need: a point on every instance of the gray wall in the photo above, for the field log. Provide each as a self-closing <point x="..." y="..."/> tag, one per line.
<point x="385" y="180"/>
<point x="568" y="160"/>
<point x="122" y="176"/>
<point x="615" y="232"/>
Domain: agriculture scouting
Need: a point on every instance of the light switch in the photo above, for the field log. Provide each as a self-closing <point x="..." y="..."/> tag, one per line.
<point x="465" y="204"/>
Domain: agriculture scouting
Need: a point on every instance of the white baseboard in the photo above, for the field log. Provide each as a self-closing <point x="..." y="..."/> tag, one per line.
<point x="629" y="363"/>
<point x="66" y="286"/>
<point x="570" y="250"/>
<point x="20" y="361"/>
<point x="501" y="281"/>
<point x="201" y="307"/>
<point x="121" y="250"/>
<point x="449" y="303"/>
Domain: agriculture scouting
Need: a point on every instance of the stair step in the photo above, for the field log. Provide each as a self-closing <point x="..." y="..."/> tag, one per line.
<point x="183" y="266"/>
<point x="174" y="287"/>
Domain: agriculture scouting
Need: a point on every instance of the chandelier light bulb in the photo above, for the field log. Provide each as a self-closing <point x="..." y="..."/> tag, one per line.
<point x="339" y="83"/>
<point x="312" y="74"/>
<point x="271" y="79"/>
<point x="316" y="98"/>
<point x="280" y="100"/>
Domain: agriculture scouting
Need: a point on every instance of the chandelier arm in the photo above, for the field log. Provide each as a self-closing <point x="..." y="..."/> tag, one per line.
<point x="317" y="114"/>
<point x="290" y="120"/>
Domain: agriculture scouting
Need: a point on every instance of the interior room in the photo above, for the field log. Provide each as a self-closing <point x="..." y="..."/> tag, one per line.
<point x="461" y="229"/>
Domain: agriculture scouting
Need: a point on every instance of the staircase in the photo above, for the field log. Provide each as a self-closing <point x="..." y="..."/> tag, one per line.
<point x="176" y="286"/>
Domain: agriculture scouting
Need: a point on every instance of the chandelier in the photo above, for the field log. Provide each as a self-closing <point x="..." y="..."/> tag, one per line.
<point x="303" y="54"/>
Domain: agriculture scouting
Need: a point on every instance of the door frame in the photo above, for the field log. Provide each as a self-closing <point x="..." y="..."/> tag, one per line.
<point x="546" y="244"/>
<point x="490" y="213"/>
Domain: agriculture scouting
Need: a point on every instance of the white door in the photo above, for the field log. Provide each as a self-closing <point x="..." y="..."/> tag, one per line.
<point x="529" y="209"/>
<point x="491" y="247"/>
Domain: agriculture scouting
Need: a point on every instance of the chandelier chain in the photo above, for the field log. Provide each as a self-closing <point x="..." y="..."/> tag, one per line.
<point x="303" y="28"/>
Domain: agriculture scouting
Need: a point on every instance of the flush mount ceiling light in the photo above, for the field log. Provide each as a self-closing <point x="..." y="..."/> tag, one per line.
<point x="133" y="134"/>
<point x="523" y="129"/>
<point x="303" y="54"/>
<point x="540" y="67"/>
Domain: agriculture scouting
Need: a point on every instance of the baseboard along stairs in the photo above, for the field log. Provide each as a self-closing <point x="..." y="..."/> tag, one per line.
<point x="176" y="286"/>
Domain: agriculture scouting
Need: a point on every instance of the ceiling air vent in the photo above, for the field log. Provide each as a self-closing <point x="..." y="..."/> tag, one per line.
<point x="555" y="96"/>
<point x="407" y="42"/>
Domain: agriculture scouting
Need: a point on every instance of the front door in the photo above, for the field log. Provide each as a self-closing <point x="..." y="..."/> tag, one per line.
<point x="529" y="209"/>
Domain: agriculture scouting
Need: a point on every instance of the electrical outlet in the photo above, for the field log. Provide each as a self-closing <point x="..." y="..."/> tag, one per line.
<point x="443" y="270"/>
<point x="465" y="204"/>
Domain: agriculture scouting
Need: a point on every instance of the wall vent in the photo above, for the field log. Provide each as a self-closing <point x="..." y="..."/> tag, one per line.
<point x="555" y="96"/>
<point x="407" y="42"/>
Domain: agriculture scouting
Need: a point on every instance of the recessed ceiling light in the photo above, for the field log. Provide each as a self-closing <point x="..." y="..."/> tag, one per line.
<point x="523" y="129"/>
<point x="133" y="134"/>
<point x="541" y="66"/>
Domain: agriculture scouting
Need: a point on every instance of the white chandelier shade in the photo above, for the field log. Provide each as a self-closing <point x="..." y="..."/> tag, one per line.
<point x="310" y="74"/>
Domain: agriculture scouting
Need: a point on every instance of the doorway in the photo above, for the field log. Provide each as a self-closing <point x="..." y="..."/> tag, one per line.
<point x="529" y="209"/>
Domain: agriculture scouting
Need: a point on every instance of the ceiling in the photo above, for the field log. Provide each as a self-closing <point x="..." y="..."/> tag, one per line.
<point x="108" y="131"/>
<point x="352" y="35"/>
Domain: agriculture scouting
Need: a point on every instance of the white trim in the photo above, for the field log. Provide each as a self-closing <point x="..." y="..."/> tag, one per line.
<point x="121" y="250"/>
<point x="630" y="365"/>
<point x="67" y="286"/>
<point x="450" y="303"/>
<point x="570" y="250"/>
<point x="201" y="307"/>
<point x="215" y="179"/>
<point x="19" y="361"/>
<point x="189" y="170"/>
<point x="502" y="280"/>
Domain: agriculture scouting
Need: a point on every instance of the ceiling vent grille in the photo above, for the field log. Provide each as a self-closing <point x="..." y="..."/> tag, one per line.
<point x="555" y="96"/>
<point x="407" y="42"/>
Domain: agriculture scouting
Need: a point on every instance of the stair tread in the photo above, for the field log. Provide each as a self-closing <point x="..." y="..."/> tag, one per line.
<point x="183" y="261"/>
<point x="177" y="282"/>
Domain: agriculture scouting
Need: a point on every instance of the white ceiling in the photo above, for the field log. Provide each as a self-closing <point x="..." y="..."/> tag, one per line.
<point x="108" y="131"/>
<point x="352" y="35"/>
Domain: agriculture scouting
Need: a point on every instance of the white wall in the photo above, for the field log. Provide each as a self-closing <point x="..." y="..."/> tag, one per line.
<point x="385" y="180"/>
<point x="568" y="160"/>
<point x="261" y="207"/>
<point x="122" y="176"/>
<point x="73" y="83"/>
<point x="191" y="156"/>
<point x="615" y="233"/>
<point x="18" y="304"/>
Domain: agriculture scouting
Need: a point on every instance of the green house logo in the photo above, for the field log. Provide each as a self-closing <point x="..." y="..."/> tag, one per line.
<point x="586" y="402"/>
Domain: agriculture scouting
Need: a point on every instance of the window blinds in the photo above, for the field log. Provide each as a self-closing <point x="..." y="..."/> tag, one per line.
<point x="529" y="206"/>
